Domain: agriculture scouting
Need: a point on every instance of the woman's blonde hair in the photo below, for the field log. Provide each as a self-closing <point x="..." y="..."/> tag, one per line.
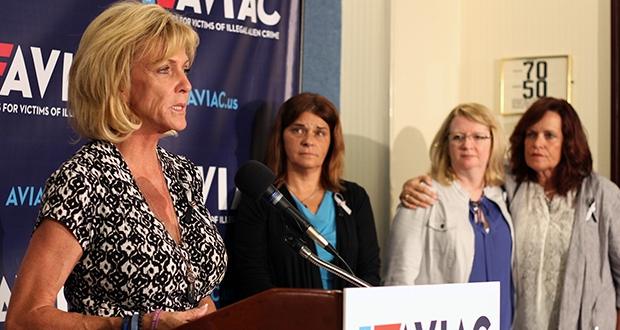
<point x="441" y="167"/>
<point x="100" y="75"/>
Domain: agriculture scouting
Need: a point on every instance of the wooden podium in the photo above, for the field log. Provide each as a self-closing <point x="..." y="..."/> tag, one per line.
<point x="278" y="309"/>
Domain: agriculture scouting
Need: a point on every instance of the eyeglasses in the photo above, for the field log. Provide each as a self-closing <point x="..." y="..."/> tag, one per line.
<point x="461" y="138"/>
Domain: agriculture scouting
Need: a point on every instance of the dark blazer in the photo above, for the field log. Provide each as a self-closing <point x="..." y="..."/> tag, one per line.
<point x="264" y="260"/>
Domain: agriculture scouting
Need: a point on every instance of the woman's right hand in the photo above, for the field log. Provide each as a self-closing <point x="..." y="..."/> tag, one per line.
<point x="415" y="194"/>
<point x="171" y="320"/>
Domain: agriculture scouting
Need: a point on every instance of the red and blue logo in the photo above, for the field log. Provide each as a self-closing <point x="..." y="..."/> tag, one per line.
<point x="5" y="51"/>
<point x="163" y="3"/>
<point x="396" y="326"/>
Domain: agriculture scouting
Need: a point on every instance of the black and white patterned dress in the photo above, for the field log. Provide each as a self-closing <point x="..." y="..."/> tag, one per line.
<point x="130" y="263"/>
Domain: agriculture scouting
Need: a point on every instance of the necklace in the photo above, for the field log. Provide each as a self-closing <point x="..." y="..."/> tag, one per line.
<point x="190" y="275"/>
<point x="548" y="199"/>
<point x="476" y="208"/>
<point x="307" y="198"/>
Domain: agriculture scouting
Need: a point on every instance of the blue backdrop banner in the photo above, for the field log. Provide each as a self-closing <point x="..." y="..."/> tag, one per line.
<point x="247" y="65"/>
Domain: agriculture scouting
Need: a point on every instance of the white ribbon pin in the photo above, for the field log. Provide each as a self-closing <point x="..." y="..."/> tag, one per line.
<point x="591" y="211"/>
<point x="342" y="203"/>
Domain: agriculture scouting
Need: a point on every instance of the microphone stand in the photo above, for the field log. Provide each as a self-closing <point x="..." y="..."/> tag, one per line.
<point x="305" y="252"/>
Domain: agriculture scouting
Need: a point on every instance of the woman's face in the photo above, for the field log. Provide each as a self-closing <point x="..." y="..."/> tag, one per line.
<point x="306" y="142"/>
<point x="159" y="93"/>
<point x="543" y="144"/>
<point x="470" y="145"/>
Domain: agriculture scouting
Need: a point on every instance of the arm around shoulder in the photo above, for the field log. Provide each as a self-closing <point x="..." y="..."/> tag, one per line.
<point x="415" y="194"/>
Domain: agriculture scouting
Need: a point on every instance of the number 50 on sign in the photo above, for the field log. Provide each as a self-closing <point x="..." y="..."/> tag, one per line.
<point x="526" y="79"/>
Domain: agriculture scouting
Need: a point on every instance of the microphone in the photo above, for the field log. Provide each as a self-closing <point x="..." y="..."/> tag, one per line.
<point x="255" y="180"/>
<point x="303" y="250"/>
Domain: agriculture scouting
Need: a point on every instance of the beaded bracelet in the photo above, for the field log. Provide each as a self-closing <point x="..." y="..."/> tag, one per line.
<point x="140" y="316"/>
<point x="155" y="319"/>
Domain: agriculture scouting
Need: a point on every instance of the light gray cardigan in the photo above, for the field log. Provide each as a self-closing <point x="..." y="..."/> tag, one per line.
<point x="436" y="244"/>
<point x="591" y="291"/>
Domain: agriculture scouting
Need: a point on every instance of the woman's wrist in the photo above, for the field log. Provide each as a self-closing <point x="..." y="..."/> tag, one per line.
<point x="153" y="320"/>
<point x="136" y="321"/>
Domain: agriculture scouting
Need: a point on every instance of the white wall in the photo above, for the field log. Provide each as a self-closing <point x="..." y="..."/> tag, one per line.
<point x="364" y="101"/>
<point x="450" y="53"/>
<point x="426" y="66"/>
<point x="407" y="63"/>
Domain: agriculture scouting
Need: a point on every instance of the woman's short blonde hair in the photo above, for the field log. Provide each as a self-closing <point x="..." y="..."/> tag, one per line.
<point x="100" y="76"/>
<point x="441" y="167"/>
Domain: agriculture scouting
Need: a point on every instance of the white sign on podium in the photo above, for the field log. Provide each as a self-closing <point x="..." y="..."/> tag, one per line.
<point x="467" y="306"/>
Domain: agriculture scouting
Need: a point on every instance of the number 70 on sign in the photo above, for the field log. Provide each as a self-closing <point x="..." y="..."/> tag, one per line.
<point x="526" y="79"/>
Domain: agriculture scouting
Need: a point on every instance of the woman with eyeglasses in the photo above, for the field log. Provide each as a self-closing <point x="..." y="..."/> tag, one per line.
<point x="566" y="263"/>
<point x="466" y="236"/>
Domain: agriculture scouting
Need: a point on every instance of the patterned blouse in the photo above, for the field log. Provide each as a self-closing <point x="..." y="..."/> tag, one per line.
<point x="130" y="263"/>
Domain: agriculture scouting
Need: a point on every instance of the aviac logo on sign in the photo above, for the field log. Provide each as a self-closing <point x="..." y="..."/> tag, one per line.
<point x="26" y="196"/>
<point x="212" y="99"/>
<point x="16" y="78"/>
<point x="253" y="9"/>
<point x="482" y="323"/>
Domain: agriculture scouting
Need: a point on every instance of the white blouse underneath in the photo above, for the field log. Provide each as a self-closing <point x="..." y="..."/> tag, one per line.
<point x="543" y="235"/>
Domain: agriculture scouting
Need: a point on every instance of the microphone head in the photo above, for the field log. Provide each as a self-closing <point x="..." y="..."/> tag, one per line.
<point x="253" y="179"/>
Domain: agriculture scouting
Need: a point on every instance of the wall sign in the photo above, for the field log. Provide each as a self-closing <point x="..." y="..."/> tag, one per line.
<point x="526" y="79"/>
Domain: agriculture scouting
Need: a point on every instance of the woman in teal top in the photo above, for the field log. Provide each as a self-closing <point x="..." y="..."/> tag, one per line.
<point x="306" y="153"/>
<point x="325" y="222"/>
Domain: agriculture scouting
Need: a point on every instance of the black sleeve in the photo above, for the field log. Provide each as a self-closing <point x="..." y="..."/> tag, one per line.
<point x="250" y="246"/>
<point x="362" y="250"/>
<point x="368" y="262"/>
